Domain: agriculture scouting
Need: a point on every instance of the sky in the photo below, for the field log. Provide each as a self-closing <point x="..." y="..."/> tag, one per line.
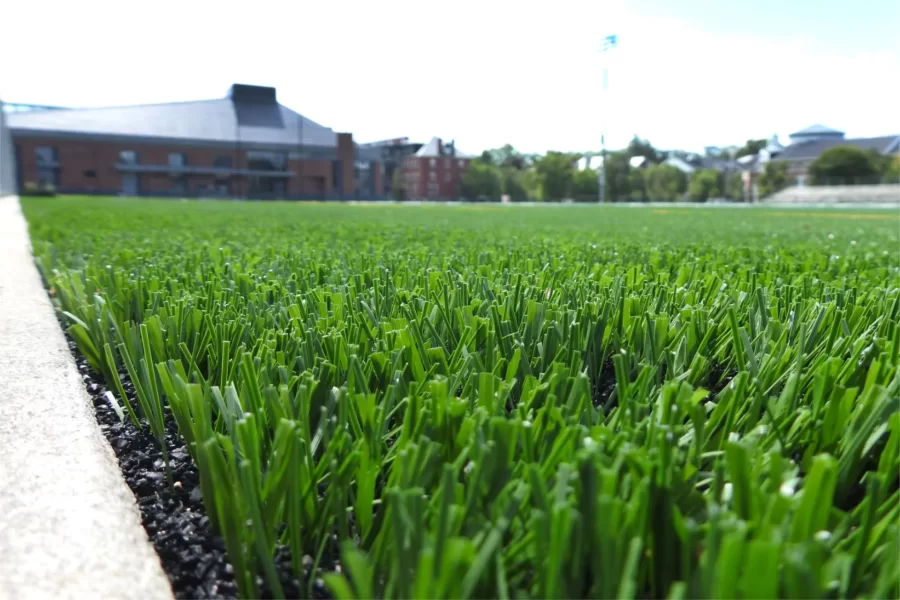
<point x="686" y="73"/>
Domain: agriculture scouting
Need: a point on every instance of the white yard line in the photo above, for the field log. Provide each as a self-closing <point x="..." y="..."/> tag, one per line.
<point x="69" y="525"/>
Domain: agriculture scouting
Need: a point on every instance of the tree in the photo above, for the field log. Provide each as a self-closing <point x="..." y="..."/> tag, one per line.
<point x="637" y="184"/>
<point x="774" y="177"/>
<point x="844" y="165"/>
<point x="515" y="185"/>
<point x="639" y="147"/>
<point x="556" y="171"/>
<point x="734" y="187"/>
<point x="891" y="172"/>
<point x="585" y="186"/>
<point x="665" y="183"/>
<point x="704" y="185"/>
<point x="481" y="182"/>
<point x="507" y="156"/>
<point x="398" y="186"/>
<point x="751" y="147"/>
<point x="617" y="171"/>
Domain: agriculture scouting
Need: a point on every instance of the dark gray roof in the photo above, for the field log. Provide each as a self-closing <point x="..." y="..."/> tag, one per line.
<point x="812" y="149"/>
<point x="204" y="120"/>
<point x="817" y="130"/>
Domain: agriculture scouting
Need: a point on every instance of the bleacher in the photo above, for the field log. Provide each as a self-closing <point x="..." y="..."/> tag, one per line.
<point x="842" y="194"/>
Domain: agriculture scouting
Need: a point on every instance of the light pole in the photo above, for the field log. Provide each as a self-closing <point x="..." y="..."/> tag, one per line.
<point x="608" y="43"/>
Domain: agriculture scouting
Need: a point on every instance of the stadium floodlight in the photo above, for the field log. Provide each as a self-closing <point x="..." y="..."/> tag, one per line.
<point x="606" y="44"/>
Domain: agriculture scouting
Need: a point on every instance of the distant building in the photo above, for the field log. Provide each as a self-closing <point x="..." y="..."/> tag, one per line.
<point x="639" y="162"/>
<point x="246" y="145"/>
<point x="689" y="163"/>
<point x="435" y="171"/>
<point x="392" y="152"/>
<point x="808" y="144"/>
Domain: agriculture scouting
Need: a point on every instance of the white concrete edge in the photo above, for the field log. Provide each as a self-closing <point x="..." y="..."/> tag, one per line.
<point x="69" y="524"/>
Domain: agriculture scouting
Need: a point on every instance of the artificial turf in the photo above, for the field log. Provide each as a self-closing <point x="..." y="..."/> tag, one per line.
<point x="501" y="401"/>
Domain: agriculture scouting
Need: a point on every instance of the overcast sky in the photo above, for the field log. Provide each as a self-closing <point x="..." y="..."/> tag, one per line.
<point x="686" y="74"/>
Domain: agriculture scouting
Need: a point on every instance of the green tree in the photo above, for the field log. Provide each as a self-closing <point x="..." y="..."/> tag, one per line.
<point x="751" y="147"/>
<point x="507" y="156"/>
<point x="585" y="186"/>
<point x="557" y="172"/>
<point x="515" y="185"/>
<point x="734" y="187"/>
<point x="891" y="172"/>
<point x="704" y="185"/>
<point x="617" y="171"/>
<point x="398" y="186"/>
<point x="481" y="182"/>
<point x="844" y="165"/>
<point x="665" y="183"/>
<point x="637" y="183"/>
<point x="774" y="178"/>
<point x="530" y="180"/>
<point x="639" y="147"/>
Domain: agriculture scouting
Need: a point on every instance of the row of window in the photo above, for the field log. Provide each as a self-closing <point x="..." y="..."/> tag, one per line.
<point x="432" y="163"/>
<point x="413" y="177"/>
<point x="46" y="159"/>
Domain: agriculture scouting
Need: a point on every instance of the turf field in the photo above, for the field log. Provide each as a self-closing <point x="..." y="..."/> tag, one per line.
<point x="510" y="402"/>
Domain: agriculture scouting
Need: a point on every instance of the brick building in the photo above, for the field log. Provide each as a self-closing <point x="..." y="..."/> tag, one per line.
<point x="435" y="172"/>
<point x="246" y="145"/>
<point x="392" y="153"/>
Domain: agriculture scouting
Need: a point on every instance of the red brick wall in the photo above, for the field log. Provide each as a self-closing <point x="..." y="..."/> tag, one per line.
<point x="76" y="157"/>
<point x="445" y="177"/>
<point x="311" y="177"/>
<point x="378" y="176"/>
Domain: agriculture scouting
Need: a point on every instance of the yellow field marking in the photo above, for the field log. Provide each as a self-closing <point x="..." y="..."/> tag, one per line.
<point x="835" y="215"/>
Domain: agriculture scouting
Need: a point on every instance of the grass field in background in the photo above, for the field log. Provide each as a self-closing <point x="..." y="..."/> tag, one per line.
<point x="501" y="401"/>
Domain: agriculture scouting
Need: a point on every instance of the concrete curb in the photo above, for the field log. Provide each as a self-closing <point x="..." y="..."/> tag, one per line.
<point x="69" y="525"/>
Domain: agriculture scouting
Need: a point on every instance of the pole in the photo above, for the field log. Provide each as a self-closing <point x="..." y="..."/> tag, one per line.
<point x="609" y="42"/>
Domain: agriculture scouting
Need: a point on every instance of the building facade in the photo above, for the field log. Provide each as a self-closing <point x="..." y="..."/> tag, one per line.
<point x="435" y="172"/>
<point x="246" y="145"/>
<point x="392" y="153"/>
<point x="808" y="144"/>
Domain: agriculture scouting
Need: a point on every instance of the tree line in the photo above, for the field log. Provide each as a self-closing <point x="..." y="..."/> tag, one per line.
<point x="554" y="176"/>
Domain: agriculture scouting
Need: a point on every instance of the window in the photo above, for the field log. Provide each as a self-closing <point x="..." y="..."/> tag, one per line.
<point x="448" y="163"/>
<point x="447" y="176"/>
<point x="90" y="174"/>
<point x="128" y="157"/>
<point x="462" y="164"/>
<point x="432" y="176"/>
<point x="222" y="162"/>
<point x="266" y="161"/>
<point x="45" y="155"/>
<point x="177" y="159"/>
<point x="178" y="185"/>
<point x="432" y="163"/>
<point x="46" y="165"/>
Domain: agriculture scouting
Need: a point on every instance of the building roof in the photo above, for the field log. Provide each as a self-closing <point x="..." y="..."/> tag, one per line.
<point x="637" y="162"/>
<point x="812" y="149"/>
<point x="240" y="118"/>
<point x="681" y="164"/>
<point x="433" y="150"/>
<point x="817" y="130"/>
